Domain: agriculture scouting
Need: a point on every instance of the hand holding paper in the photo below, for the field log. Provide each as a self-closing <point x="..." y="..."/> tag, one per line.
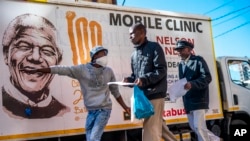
<point x="177" y="89"/>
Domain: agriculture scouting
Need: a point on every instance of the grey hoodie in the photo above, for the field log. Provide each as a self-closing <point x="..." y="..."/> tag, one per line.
<point x="93" y="82"/>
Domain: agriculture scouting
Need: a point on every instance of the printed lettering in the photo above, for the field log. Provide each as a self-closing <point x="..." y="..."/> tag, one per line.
<point x="88" y="34"/>
<point x="174" y="112"/>
<point x="128" y="20"/>
<point x="240" y="132"/>
<point x="75" y="83"/>
<point x="168" y="40"/>
<point x="79" y="110"/>
<point x="181" y="25"/>
<point x="173" y="64"/>
<point x="170" y="51"/>
<point x="79" y="98"/>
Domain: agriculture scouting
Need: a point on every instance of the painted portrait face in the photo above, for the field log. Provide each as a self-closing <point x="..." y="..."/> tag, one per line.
<point x="32" y="47"/>
<point x="31" y="50"/>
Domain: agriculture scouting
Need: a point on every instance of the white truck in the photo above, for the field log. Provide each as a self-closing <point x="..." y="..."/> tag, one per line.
<point x="81" y="26"/>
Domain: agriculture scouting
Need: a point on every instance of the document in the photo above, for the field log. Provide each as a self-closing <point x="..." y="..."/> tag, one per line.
<point x="177" y="89"/>
<point x="121" y="83"/>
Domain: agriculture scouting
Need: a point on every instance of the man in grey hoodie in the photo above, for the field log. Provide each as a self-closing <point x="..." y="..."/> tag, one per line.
<point x="93" y="78"/>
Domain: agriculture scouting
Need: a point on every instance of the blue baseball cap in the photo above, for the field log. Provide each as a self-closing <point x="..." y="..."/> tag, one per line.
<point x="182" y="44"/>
<point x="96" y="50"/>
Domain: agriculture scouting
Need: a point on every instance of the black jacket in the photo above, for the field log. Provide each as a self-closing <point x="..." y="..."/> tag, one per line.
<point x="148" y="63"/>
<point x="198" y="74"/>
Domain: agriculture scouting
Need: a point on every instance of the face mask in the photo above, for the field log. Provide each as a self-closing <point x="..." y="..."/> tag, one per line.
<point x="102" y="61"/>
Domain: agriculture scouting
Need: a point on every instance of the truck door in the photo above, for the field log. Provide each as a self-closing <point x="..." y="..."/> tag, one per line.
<point x="239" y="73"/>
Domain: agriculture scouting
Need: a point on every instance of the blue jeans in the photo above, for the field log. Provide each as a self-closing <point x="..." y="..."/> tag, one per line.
<point x="95" y="124"/>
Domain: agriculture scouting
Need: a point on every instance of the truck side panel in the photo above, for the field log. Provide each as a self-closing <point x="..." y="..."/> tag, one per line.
<point x="79" y="29"/>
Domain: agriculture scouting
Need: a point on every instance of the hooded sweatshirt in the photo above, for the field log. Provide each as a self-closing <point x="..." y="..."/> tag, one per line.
<point x="93" y="82"/>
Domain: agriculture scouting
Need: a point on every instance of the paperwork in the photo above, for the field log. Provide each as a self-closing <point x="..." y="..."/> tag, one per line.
<point x="121" y="83"/>
<point x="177" y="89"/>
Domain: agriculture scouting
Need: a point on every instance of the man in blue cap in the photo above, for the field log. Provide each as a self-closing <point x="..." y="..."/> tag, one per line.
<point x="93" y="78"/>
<point x="196" y="100"/>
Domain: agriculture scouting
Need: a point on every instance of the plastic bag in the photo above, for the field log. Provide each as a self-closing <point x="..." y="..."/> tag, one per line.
<point x="142" y="106"/>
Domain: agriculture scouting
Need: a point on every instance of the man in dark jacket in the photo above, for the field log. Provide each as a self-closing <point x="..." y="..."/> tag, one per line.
<point x="149" y="72"/>
<point x="196" y="100"/>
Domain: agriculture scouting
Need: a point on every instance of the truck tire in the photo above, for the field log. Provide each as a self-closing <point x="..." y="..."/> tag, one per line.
<point x="215" y="127"/>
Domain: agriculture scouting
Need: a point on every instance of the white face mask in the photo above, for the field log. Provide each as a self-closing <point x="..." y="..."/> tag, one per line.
<point x="102" y="61"/>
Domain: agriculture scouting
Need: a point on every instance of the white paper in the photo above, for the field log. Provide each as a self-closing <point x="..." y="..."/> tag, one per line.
<point x="132" y="115"/>
<point x="177" y="89"/>
<point x="121" y="83"/>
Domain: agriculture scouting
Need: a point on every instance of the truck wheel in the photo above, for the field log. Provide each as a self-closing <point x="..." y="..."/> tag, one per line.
<point x="215" y="127"/>
<point x="238" y="122"/>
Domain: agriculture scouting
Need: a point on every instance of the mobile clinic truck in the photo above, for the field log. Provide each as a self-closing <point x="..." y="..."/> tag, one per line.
<point x="79" y="27"/>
